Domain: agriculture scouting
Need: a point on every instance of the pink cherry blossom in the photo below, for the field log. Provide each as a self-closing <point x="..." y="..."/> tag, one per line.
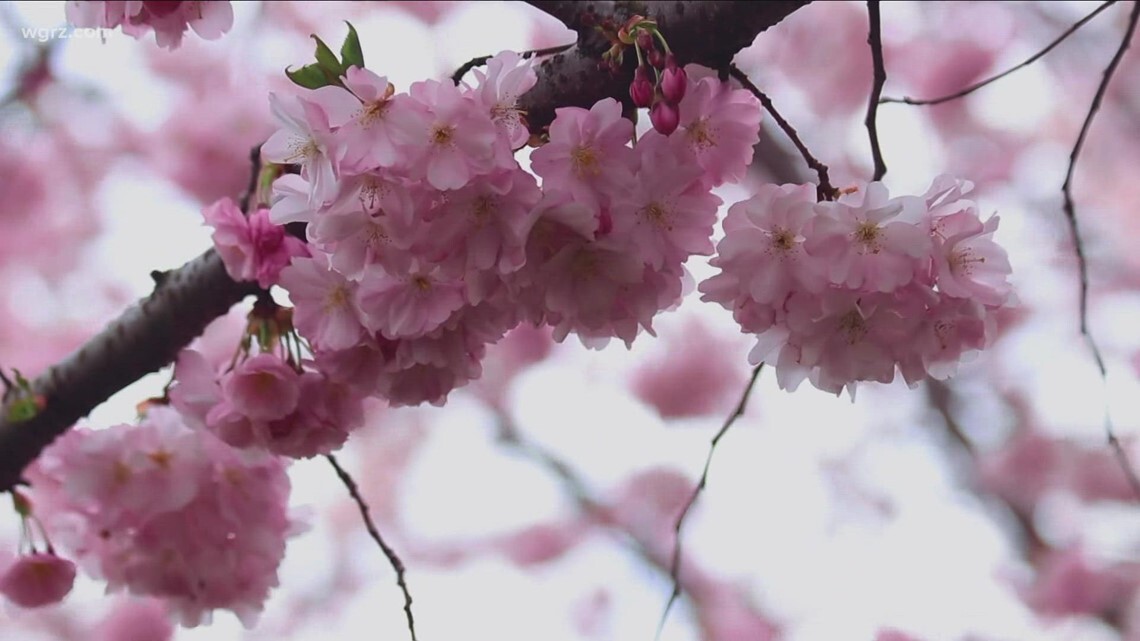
<point x="307" y="138"/>
<point x="448" y="138"/>
<point x="37" y="579"/>
<point x="252" y="248"/>
<point x="368" y="135"/>
<point x="763" y="246"/>
<point x="507" y="78"/>
<point x="195" y="390"/>
<point x="875" y="244"/>
<point x="721" y="125"/>
<point x="587" y="155"/>
<point x="668" y="215"/>
<point x="698" y="374"/>
<point x="169" y="20"/>
<point x="407" y="305"/>
<point x="263" y="388"/>
<point x="1069" y="583"/>
<point x="324" y="302"/>
<point x="968" y="262"/>
<point x="484" y="225"/>
<point x="215" y="544"/>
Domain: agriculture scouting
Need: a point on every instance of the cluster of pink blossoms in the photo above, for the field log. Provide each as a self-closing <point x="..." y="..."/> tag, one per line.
<point x="428" y="241"/>
<point x="162" y="510"/>
<point x="846" y="291"/>
<point x="266" y="402"/>
<point x="168" y="19"/>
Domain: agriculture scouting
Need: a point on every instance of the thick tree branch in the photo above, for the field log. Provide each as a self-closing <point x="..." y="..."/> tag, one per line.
<point x="709" y="33"/>
<point x="146" y="338"/>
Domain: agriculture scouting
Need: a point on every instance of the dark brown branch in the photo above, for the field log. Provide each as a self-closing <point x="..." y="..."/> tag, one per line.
<point x="393" y="558"/>
<point x="457" y="77"/>
<point x="675" y="567"/>
<point x="709" y="33"/>
<point x="875" y="39"/>
<point x="1082" y="261"/>
<point x="146" y="338"/>
<point x="824" y="191"/>
<point x="1028" y="61"/>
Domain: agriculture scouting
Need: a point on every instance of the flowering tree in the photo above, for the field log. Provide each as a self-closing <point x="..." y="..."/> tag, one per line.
<point x="381" y="246"/>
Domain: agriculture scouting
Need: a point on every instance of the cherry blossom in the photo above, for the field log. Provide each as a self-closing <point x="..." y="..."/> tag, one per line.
<point x="37" y="579"/>
<point x="252" y="248"/>
<point x="210" y="19"/>
<point x="587" y="155"/>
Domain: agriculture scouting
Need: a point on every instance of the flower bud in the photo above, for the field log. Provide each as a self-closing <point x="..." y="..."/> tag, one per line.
<point x="37" y="580"/>
<point x="645" y="40"/>
<point x="641" y="89"/>
<point x="665" y="117"/>
<point x="655" y="58"/>
<point x="673" y="81"/>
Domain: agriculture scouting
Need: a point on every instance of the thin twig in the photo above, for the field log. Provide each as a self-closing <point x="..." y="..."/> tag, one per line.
<point x="938" y="396"/>
<point x="675" y="568"/>
<point x="1028" y="61"/>
<point x="393" y="558"/>
<point x="457" y="77"/>
<point x="1082" y="261"/>
<point x="824" y="190"/>
<point x="875" y="39"/>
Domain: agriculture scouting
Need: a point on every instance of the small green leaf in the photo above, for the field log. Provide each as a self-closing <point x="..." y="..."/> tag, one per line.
<point x="350" y="51"/>
<point x="326" y="59"/>
<point x="309" y="77"/>
<point x="22" y="409"/>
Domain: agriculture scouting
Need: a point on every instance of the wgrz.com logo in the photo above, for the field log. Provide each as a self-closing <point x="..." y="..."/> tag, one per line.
<point x="44" y="34"/>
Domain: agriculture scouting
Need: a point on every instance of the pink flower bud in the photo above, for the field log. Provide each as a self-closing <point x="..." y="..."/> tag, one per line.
<point x="645" y="40"/>
<point x="37" y="580"/>
<point x="673" y="81"/>
<point x="655" y="58"/>
<point x="665" y="117"/>
<point x="641" y="89"/>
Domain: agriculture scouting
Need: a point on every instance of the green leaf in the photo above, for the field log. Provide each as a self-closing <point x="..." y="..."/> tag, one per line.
<point x="350" y="51"/>
<point x="326" y="59"/>
<point x="23" y="409"/>
<point x="309" y="77"/>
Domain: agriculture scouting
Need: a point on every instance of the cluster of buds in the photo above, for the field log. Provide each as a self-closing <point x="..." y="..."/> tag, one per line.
<point x="659" y="82"/>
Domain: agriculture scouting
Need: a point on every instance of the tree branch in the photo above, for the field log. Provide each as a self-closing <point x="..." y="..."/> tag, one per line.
<point x="389" y="553"/>
<point x="875" y="39"/>
<point x="675" y="566"/>
<point x="146" y="338"/>
<point x="1082" y="261"/>
<point x="824" y="191"/>
<point x="1028" y="61"/>
<point x="709" y="33"/>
